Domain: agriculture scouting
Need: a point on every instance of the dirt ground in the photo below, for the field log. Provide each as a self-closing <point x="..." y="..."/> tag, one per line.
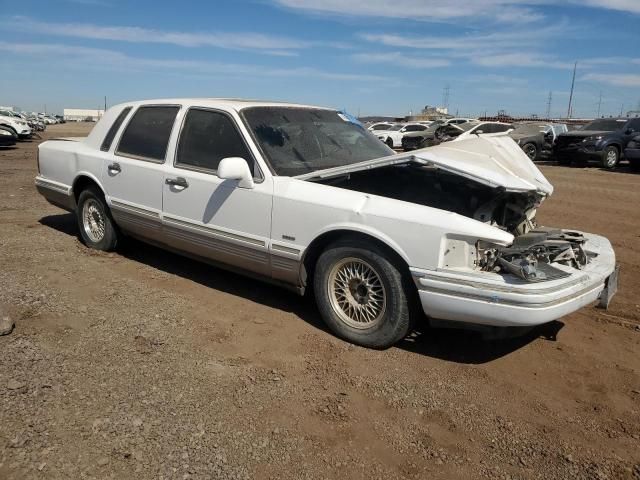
<point x="143" y="364"/>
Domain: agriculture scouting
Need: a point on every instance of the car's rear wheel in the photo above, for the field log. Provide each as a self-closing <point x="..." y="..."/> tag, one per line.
<point x="634" y="165"/>
<point x="361" y="294"/>
<point x="389" y="142"/>
<point x="97" y="228"/>
<point x="610" y="157"/>
<point x="531" y="150"/>
<point x="562" y="160"/>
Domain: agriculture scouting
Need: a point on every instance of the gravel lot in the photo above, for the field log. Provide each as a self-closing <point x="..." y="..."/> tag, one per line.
<point x="143" y="364"/>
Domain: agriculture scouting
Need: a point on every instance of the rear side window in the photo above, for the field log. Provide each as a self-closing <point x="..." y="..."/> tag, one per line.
<point x="415" y="128"/>
<point x="147" y="134"/>
<point x="207" y="137"/>
<point x="106" y="144"/>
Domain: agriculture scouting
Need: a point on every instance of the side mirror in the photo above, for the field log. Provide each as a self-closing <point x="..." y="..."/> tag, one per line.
<point x="236" y="168"/>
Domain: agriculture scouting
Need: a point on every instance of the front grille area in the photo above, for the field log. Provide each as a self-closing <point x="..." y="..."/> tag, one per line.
<point x="564" y="142"/>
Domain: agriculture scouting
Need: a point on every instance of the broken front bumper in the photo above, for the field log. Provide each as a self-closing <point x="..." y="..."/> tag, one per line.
<point x="506" y="300"/>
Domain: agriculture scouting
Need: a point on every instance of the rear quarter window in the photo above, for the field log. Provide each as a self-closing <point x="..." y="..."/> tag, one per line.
<point x="108" y="139"/>
<point x="147" y="134"/>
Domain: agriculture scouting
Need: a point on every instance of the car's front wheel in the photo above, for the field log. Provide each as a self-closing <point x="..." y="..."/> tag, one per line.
<point x="531" y="150"/>
<point x="97" y="228"/>
<point x="361" y="294"/>
<point x="389" y="142"/>
<point x="610" y="157"/>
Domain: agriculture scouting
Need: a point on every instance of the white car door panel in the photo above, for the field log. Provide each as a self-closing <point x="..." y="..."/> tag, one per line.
<point x="206" y="215"/>
<point x="216" y="219"/>
<point x="133" y="175"/>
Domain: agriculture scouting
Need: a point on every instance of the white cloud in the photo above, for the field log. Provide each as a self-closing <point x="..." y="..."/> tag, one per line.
<point x="269" y="44"/>
<point x="629" y="80"/>
<point x="439" y="10"/>
<point x="631" y="6"/>
<point x="98" y="58"/>
<point x="519" y="60"/>
<point x="398" y="59"/>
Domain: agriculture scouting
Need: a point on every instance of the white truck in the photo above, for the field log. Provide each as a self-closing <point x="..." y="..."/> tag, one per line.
<point x="302" y="197"/>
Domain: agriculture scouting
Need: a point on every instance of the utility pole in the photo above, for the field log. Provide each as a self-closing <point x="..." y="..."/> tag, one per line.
<point x="105" y="103"/>
<point x="573" y="82"/>
<point x="549" y="105"/>
<point x="621" y="109"/>
<point x="599" y="104"/>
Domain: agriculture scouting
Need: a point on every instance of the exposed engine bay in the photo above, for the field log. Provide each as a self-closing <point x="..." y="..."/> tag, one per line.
<point x="411" y="182"/>
<point x="532" y="255"/>
<point x="534" y="251"/>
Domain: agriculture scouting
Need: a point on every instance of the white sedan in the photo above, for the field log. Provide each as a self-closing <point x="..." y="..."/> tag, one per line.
<point x="392" y="137"/>
<point x="301" y="197"/>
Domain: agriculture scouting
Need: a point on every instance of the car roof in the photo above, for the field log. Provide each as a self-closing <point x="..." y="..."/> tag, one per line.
<point x="228" y="103"/>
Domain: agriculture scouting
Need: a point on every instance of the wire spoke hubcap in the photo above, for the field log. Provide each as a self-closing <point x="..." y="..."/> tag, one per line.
<point x="93" y="220"/>
<point x="611" y="157"/>
<point x="356" y="293"/>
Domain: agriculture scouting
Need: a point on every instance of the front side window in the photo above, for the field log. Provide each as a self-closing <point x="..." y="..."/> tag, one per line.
<point x="207" y="137"/>
<point x="147" y="134"/>
<point x="106" y="143"/>
<point x="298" y="140"/>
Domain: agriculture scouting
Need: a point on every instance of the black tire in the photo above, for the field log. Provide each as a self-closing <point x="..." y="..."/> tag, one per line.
<point x="394" y="320"/>
<point x="610" y="157"/>
<point x="92" y="199"/>
<point x="530" y="150"/>
<point x="565" y="161"/>
<point x="634" y="165"/>
<point x="13" y="130"/>
<point x="389" y="142"/>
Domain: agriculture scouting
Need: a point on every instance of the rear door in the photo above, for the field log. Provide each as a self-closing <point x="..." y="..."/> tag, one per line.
<point x="206" y="215"/>
<point x="133" y="175"/>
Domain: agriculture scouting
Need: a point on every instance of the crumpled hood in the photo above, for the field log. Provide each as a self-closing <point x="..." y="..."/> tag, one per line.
<point x="494" y="161"/>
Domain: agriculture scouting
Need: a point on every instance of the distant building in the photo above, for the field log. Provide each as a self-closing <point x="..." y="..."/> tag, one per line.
<point x="633" y="113"/>
<point x="82" y="115"/>
<point x="7" y="108"/>
<point x="429" y="110"/>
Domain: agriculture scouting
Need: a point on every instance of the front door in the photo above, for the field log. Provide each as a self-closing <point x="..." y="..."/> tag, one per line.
<point x="133" y="175"/>
<point x="208" y="216"/>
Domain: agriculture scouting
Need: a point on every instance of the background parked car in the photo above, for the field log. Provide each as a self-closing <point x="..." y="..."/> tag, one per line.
<point x="7" y="137"/>
<point x="632" y="153"/>
<point x="393" y="136"/>
<point x="603" y="140"/>
<point x="17" y="125"/>
<point x="419" y="139"/>
<point x="537" y="138"/>
<point x="482" y="128"/>
<point x="379" y="126"/>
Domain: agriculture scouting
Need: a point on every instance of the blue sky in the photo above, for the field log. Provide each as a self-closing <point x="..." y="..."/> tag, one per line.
<point x="368" y="56"/>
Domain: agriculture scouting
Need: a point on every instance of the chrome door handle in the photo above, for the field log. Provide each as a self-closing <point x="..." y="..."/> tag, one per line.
<point x="114" y="167"/>
<point x="177" y="182"/>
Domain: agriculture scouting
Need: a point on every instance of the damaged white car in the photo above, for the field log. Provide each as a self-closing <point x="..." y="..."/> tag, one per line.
<point x="302" y="197"/>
